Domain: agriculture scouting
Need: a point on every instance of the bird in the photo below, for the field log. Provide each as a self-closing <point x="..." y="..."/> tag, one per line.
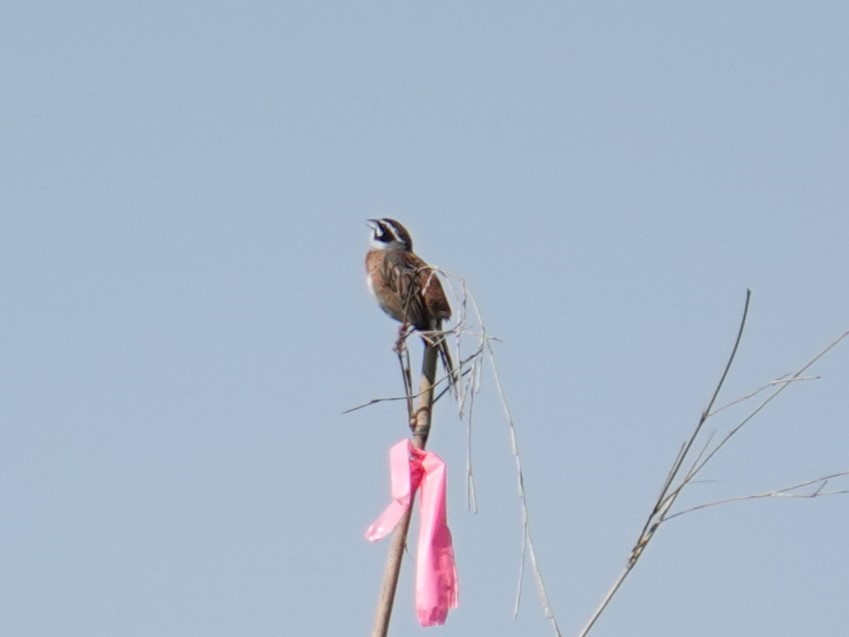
<point x="405" y="286"/>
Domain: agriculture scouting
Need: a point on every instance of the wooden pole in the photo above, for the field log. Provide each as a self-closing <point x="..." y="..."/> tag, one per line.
<point x="420" y="425"/>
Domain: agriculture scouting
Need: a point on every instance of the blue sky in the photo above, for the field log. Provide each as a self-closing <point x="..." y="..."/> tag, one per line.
<point x="184" y="191"/>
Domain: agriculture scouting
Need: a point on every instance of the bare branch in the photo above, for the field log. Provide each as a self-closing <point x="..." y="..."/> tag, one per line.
<point x="385" y="399"/>
<point x="752" y="394"/>
<point x="680" y="461"/>
<point x="785" y="492"/>
<point x="528" y="548"/>
<point x="675" y="483"/>
<point x="784" y="385"/>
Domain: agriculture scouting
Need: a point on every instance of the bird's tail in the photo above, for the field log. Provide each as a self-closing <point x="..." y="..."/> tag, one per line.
<point x="452" y="372"/>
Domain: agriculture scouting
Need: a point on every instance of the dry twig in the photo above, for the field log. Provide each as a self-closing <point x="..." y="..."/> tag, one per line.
<point x="673" y="486"/>
<point x="420" y="422"/>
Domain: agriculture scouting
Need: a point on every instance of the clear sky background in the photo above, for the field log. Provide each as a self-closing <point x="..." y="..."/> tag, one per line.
<point x="183" y="190"/>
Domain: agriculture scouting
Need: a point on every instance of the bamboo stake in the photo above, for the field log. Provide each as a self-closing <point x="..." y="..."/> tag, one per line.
<point x="420" y="425"/>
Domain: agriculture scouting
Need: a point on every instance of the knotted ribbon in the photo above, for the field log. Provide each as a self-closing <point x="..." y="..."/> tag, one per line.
<point x="436" y="572"/>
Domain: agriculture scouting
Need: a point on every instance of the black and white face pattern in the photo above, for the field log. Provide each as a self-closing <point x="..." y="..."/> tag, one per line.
<point x="388" y="233"/>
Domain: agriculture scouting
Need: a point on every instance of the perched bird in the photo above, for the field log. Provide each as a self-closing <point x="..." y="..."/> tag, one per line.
<point x="406" y="287"/>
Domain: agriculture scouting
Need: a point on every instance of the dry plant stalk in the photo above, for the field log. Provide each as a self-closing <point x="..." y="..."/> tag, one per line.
<point x="469" y="324"/>
<point x="420" y="421"/>
<point x="679" y="477"/>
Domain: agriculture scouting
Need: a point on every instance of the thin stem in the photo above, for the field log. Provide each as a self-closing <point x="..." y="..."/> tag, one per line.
<point x="668" y="501"/>
<point x="785" y="492"/>
<point x="668" y="494"/>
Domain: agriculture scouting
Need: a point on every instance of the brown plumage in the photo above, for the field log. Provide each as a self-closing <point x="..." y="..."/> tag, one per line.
<point x="407" y="289"/>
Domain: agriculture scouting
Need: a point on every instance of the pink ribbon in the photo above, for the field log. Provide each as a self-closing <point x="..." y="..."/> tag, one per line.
<point x="436" y="572"/>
